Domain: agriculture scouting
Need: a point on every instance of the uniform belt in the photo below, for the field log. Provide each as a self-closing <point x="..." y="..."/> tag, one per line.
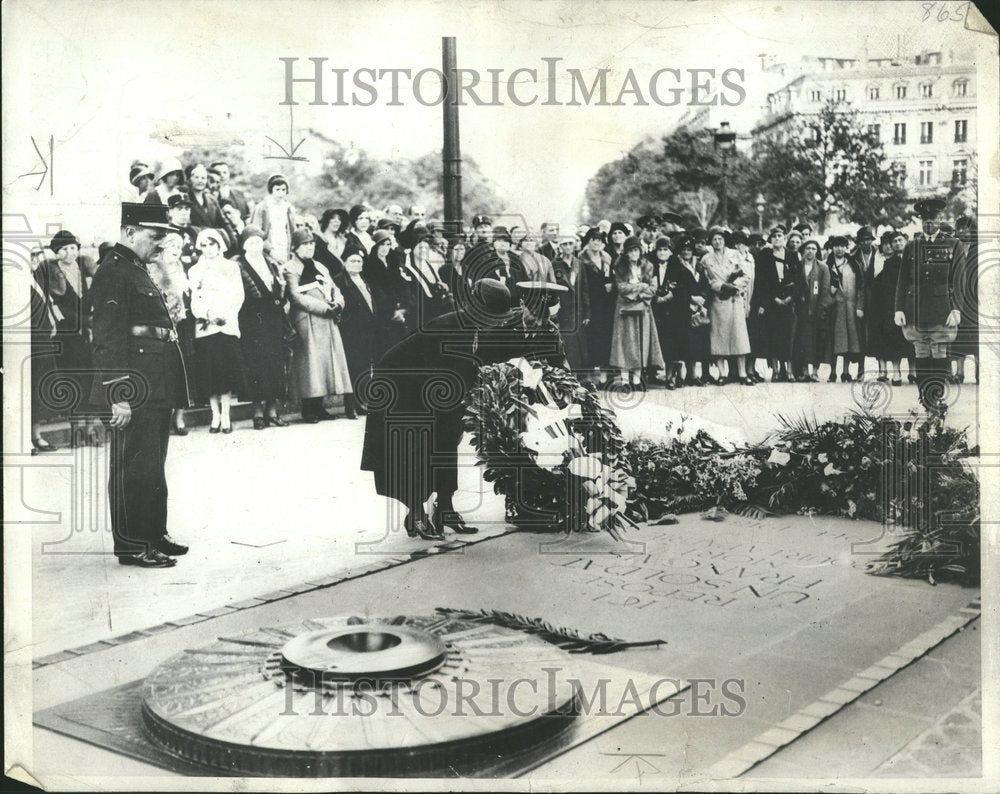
<point x="154" y="332"/>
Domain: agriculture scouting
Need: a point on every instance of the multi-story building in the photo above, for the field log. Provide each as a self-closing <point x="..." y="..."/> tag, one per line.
<point x="922" y="110"/>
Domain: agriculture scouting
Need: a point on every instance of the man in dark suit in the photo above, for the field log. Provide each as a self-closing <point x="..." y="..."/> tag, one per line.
<point x="927" y="301"/>
<point x="226" y="191"/>
<point x="140" y="378"/>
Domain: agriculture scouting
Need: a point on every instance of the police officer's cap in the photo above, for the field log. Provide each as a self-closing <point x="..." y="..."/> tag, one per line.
<point x="178" y="200"/>
<point x="152" y="216"/>
<point x="648" y="222"/>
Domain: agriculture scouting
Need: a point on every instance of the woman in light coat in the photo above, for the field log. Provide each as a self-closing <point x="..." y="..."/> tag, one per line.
<point x="319" y="367"/>
<point x="216" y="298"/>
<point x="275" y="217"/>
<point x="727" y="311"/>
<point x="635" y="345"/>
<point x="847" y="285"/>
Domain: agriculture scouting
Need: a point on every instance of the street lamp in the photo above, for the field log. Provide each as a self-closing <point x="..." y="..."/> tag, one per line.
<point x="760" y="204"/>
<point x="725" y="142"/>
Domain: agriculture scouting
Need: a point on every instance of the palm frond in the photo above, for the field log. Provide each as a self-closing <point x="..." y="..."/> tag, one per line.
<point x="568" y="639"/>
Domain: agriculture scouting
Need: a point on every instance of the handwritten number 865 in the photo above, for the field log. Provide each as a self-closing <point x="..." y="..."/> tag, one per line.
<point x="944" y="14"/>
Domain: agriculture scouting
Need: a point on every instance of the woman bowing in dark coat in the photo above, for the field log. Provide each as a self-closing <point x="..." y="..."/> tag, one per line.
<point x="263" y="327"/>
<point x="364" y="304"/>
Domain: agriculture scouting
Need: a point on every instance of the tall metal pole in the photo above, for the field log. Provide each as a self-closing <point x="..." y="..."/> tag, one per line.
<point x="451" y="154"/>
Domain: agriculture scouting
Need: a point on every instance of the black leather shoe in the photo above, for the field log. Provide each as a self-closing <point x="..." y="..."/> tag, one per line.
<point x="150" y="559"/>
<point x="259" y="423"/>
<point x="748" y="381"/>
<point x="453" y="520"/>
<point x="167" y="545"/>
<point x="310" y="419"/>
<point x="214" y="429"/>
<point x="277" y="421"/>
<point x="178" y="431"/>
<point x="897" y="381"/>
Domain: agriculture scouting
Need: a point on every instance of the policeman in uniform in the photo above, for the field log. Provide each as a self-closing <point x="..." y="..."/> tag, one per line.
<point x="927" y="307"/>
<point x="141" y="378"/>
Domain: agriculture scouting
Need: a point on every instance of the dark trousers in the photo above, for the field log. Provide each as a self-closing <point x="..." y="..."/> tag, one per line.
<point x="137" y="486"/>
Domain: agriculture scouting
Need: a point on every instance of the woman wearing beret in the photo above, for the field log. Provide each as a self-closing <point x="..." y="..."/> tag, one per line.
<point x="847" y="286"/>
<point x="275" y="217"/>
<point x="216" y="298"/>
<point x="635" y="345"/>
<point x="319" y="367"/>
<point x="885" y="339"/>
<point x="601" y="283"/>
<point x="360" y="222"/>
<point x="687" y="324"/>
<point x="263" y="328"/>
<point x="812" y="298"/>
<point x="727" y="311"/>
<point x="773" y="314"/>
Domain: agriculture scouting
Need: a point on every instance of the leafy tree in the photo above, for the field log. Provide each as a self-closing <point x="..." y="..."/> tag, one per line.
<point x="826" y="165"/>
<point x="684" y="172"/>
<point x="350" y="175"/>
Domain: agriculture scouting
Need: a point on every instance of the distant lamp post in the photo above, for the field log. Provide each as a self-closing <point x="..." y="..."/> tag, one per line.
<point x="725" y="142"/>
<point x="760" y="205"/>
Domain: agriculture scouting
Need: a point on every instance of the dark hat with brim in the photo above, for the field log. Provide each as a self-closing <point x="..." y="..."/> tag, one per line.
<point x="488" y="304"/>
<point x="178" y="200"/>
<point x="501" y="233"/>
<point x="756" y="239"/>
<point x="150" y="216"/>
<point x="929" y="208"/>
<point x="388" y="223"/>
<point x="139" y="171"/>
<point x="594" y="234"/>
<point x="865" y="233"/>
<point x="683" y="241"/>
<point x="630" y="244"/>
<point x="662" y="242"/>
<point x="617" y="226"/>
<point x="699" y="235"/>
<point x="647" y="222"/>
<point x="672" y="217"/>
<point x="803" y="228"/>
<point x="381" y="236"/>
<point x="838" y="239"/>
<point x="481" y="220"/>
<point x="61" y="239"/>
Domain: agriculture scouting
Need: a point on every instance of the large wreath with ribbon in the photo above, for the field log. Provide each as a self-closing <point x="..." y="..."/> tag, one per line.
<point x="551" y="448"/>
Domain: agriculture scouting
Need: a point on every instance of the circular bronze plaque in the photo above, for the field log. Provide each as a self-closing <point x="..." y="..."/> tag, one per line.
<point x="353" y="696"/>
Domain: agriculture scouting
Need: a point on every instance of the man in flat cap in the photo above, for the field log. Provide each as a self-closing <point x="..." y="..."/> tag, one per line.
<point x="648" y="226"/>
<point x="140" y="379"/>
<point x="927" y="301"/>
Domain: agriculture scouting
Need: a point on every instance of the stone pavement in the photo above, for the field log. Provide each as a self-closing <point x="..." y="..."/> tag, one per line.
<point x="777" y="612"/>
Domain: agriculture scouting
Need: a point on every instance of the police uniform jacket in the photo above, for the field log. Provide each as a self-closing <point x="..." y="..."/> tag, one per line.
<point x="136" y="353"/>
<point x="928" y="277"/>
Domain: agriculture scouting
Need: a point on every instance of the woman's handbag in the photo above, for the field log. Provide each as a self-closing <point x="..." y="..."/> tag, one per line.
<point x="699" y="317"/>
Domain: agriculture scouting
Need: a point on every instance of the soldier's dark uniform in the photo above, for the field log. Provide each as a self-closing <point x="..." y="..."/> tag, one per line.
<point x="139" y="361"/>
<point x="926" y="293"/>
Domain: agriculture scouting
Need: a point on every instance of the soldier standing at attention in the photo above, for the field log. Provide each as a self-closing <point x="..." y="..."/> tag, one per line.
<point x="927" y="306"/>
<point x="141" y="377"/>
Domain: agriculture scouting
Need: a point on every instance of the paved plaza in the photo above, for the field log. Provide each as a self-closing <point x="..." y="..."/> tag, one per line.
<point x="841" y="673"/>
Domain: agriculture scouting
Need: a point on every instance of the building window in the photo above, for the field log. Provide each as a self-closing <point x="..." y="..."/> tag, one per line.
<point x="899" y="172"/>
<point x="815" y="95"/>
<point x="899" y="134"/>
<point x="960" y="172"/>
<point x="927" y="132"/>
<point x="926" y="173"/>
<point x="874" y="133"/>
<point x="926" y="90"/>
<point x="873" y="92"/>
<point x="900" y="92"/>
<point x="961" y="131"/>
<point x="840" y="94"/>
<point x="960" y="87"/>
